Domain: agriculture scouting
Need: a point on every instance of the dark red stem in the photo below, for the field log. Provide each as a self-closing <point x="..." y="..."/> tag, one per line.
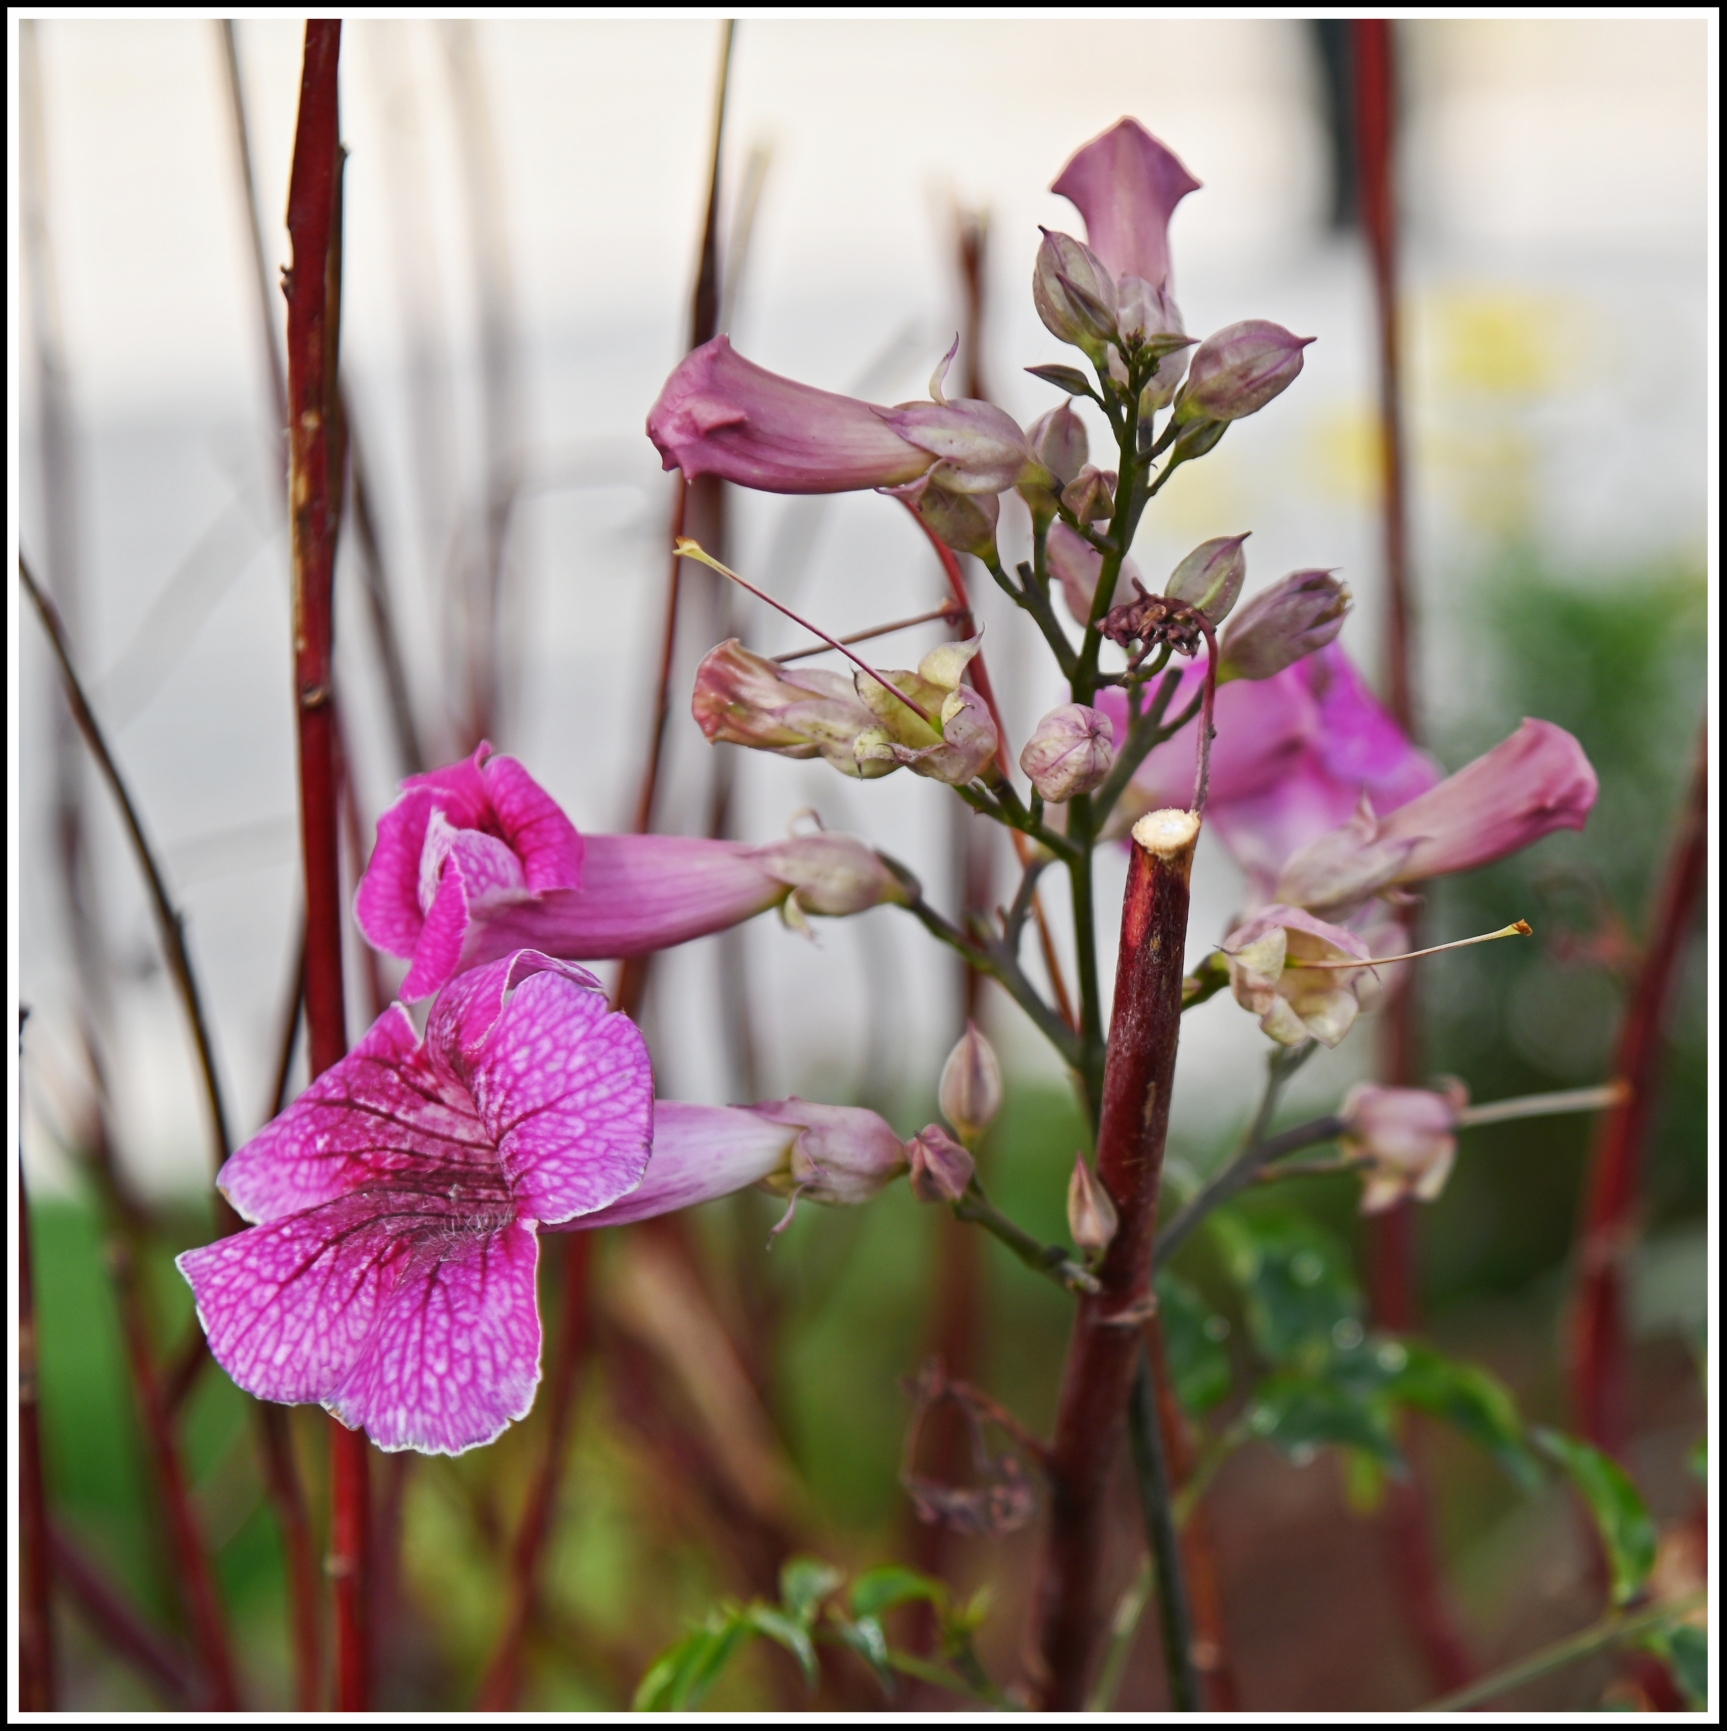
<point x="1599" y="1348"/>
<point x="1145" y="1025"/>
<point x="313" y="286"/>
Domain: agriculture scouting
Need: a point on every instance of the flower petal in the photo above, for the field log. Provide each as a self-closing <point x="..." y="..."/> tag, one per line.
<point x="387" y="903"/>
<point x="534" y="826"/>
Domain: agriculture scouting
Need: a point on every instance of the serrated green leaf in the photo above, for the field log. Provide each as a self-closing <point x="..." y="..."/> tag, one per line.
<point x="868" y="1640"/>
<point x="1472" y="1401"/>
<point x="793" y="1636"/>
<point x="804" y="1583"/>
<point x="1301" y="1299"/>
<point x="1301" y="1413"/>
<point x="1069" y="379"/>
<point x="1621" y="1516"/>
<point x="683" y="1674"/>
<point x="878" y="1590"/>
<point x="1193" y="1335"/>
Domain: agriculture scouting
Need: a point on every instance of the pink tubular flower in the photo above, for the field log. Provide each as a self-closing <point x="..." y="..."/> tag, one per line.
<point x="1527" y="786"/>
<point x="1293" y="756"/>
<point x="719" y="414"/>
<point x="477" y="860"/>
<point x="1406" y="1138"/>
<point x="1126" y="186"/>
<point x="389" y="1275"/>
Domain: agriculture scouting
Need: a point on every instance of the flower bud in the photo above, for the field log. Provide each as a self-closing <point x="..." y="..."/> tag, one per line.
<point x="841" y="1154"/>
<point x="1210" y="577"/>
<point x="1405" y="1136"/>
<point x="963" y="521"/>
<point x="1281" y="624"/>
<point x="1070" y="752"/>
<point x="1091" y="1216"/>
<point x="1239" y="369"/>
<point x="1059" y="442"/>
<point x="970" y="1091"/>
<point x="1074" y="294"/>
<point x="940" y="1168"/>
<point x="1296" y="1003"/>
<point x="1090" y="494"/>
<point x="1150" y="319"/>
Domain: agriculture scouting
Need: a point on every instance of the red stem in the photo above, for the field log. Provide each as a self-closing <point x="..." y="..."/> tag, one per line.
<point x="112" y="1617"/>
<point x="36" y="1682"/>
<point x="313" y="287"/>
<point x="1145" y="1026"/>
<point x="1599" y="1348"/>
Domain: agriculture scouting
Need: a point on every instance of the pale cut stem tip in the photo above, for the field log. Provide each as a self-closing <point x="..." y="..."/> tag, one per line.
<point x="1517" y="929"/>
<point x="1545" y="1105"/>
<point x="1168" y="833"/>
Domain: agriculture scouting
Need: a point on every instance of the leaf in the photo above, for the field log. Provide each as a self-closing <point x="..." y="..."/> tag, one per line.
<point x="1621" y="1516"/>
<point x="804" y="1583"/>
<point x="868" y="1640"/>
<point x="1687" y="1655"/>
<point x="1069" y="379"/>
<point x="1193" y="1335"/>
<point x="893" y="1584"/>
<point x="1302" y="1302"/>
<point x="1302" y="1413"/>
<point x="1472" y="1401"/>
<point x="1363" y="1481"/>
<point x="793" y="1636"/>
<point x="684" y="1673"/>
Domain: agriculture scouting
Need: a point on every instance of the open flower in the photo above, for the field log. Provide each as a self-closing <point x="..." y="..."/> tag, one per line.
<point x="719" y="414"/>
<point x="476" y="860"/>
<point x="389" y="1275"/>
<point x="1126" y="185"/>
<point x="1526" y="787"/>
<point x="1293" y="1002"/>
<point x="1406" y="1137"/>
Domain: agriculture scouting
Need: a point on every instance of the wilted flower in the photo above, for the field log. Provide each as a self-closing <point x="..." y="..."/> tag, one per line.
<point x="1210" y="577"/>
<point x="970" y="1091"/>
<point x="1075" y="564"/>
<point x="1296" y="1003"/>
<point x="959" y="748"/>
<point x="1091" y="1217"/>
<point x="1407" y="1135"/>
<point x="742" y="698"/>
<point x="1070" y="752"/>
<point x="1301" y="613"/>
<point x="1527" y="786"/>
<point x="1238" y="370"/>
<point x="941" y="1169"/>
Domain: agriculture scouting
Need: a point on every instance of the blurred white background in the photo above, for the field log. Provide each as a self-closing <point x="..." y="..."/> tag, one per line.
<point x="1556" y="189"/>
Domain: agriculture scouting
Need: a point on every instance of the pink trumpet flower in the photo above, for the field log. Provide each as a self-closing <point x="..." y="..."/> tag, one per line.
<point x="477" y="859"/>
<point x="1293" y="757"/>
<point x="1126" y="185"/>
<point x="719" y="414"/>
<point x="389" y="1275"/>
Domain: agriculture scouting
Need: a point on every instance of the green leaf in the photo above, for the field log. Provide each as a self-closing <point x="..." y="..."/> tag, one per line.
<point x="792" y="1635"/>
<point x="1069" y="379"/>
<point x="1302" y="1301"/>
<point x="1698" y="1460"/>
<point x="893" y="1584"/>
<point x="868" y="1640"/>
<point x="1687" y="1655"/>
<point x="1302" y="1413"/>
<point x="1193" y="1335"/>
<point x="1469" y="1399"/>
<point x="1363" y="1481"/>
<point x="1621" y="1516"/>
<point x="804" y="1583"/>
<point x="684" y="1673"/>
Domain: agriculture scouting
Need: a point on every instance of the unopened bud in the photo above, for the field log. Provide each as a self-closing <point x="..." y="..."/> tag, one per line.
<point x="941" y="1169"/>
<point x="1090" y="494"/>
<point x="970" y="1091"/>
<point x="1282" y="624"/>
<point x="1150" y="321"/>
<point x="1058" y="441"/>
<point x="1210" y="577"/>
<point x="1074" y="294"/>
<point x="1239" y="369"/>
<point x="963" y="521"/>
<point x="1071" y="751"/>
<point x="1091" y="1216"/>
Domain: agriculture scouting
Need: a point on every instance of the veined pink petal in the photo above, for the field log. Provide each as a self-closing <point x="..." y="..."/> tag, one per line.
<point x="387" y="903"/>
<point x="467" y="1012"/>
<point x="1127" y="185"/>
<point x="719" y="414"/>
<point x="534" y="826"/>
<point x="381" y="1113"/>
<point x="700" y="1152"/>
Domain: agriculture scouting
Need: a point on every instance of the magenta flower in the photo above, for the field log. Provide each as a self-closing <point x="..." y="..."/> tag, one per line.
<point x="1293" y="756"/>
<point x="1527" y="786"/>
<point x="1126" y="186"/>
<point x="719" y="414"/>
<point x="476" y="860"/>
<point x="389" y="1275"/>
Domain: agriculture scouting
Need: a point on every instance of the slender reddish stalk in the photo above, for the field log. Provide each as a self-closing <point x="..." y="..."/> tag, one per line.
<point x="36" y="1681"/>
<point x="1599" y="1349"/>
<point x="313" y="287"/>
<point x="502" y="1684"/>
<point x="1145" y="1026"/>
<point x="113" y="1619"/>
